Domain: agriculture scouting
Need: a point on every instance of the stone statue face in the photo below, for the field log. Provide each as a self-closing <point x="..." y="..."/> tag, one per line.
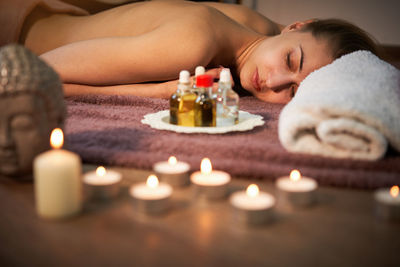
<point x="31" y="106"/>
<point x="24" y="132"/>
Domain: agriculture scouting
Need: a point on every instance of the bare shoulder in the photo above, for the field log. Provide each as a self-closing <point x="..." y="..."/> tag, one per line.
<point x="247" y="17"/>
<point x="196" y="37"/>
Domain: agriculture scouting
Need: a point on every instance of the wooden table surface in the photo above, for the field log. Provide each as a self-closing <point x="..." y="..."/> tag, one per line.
<point x="340" y="230"/>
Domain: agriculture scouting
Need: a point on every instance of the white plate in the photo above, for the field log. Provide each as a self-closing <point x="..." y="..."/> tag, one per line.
<point x="160" y="121"/>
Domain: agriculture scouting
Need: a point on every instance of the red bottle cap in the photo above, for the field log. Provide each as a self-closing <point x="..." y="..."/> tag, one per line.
<point x="204" y="80"/>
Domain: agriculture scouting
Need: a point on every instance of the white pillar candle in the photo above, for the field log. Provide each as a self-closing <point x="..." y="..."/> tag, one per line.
<point x="210" y="183"/>
<point x="57" y="177"/>
<point x="252" y="206"/>
<point x="296" y="190"/>
<point x="152" y="196"/>
<point x="102" y="184"/>
<point x="388" y="203"/>
<point x="173" y="172"/>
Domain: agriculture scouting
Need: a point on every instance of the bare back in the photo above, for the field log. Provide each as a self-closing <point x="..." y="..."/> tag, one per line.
<point x="132" y="20"/>
<point x="139" y="42"/>
<point x="123" y="21"/>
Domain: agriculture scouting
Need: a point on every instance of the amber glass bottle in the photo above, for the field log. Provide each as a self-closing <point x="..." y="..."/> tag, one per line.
<point x="175" y="99"/>
<point x="204" y="105"/>
<point x="186" y="109"/>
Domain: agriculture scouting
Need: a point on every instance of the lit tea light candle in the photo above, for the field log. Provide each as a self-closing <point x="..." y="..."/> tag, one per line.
<point x="173" y="172"/>
<point x="102" y="184"/>
<point x="296" y="190"/>
<point x="388" y="203"/>
<point x="57" y="177"/>
<point x="252" y="206"/>
<point x="210" y="183"/>
<point x="152" y="196"/>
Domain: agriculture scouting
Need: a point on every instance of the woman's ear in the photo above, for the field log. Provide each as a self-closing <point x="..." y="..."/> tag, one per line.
<point x="297" y="25"/>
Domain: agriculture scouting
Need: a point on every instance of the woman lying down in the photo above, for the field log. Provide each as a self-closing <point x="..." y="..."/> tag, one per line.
<point x="140" y="48"/>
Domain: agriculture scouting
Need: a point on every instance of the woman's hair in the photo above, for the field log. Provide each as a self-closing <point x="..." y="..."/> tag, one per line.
<point x="343" y="37"/>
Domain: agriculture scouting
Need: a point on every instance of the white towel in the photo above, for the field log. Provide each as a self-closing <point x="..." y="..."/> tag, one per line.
<point x="347" y="109"/>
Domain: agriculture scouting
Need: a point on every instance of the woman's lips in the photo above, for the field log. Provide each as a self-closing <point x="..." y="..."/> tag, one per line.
<point x="255" y="81"/>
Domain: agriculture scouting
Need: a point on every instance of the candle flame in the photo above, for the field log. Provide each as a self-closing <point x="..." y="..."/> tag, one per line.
<point x="101" y="171"/>
<point x="394" y="191"/>
<point x="172" y="160"/>
<point x="252" y="190"/>
<point x="206" y="166"/>
<point x="152" y="181"/>
<point x="57" y="138"/>
<point x="295" y="175"/>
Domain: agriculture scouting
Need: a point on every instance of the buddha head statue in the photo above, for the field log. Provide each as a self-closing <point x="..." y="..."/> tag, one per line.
<point x="31" y="105"/>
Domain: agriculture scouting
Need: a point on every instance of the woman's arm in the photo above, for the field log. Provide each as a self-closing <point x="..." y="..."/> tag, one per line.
<point x="159" y="90"/>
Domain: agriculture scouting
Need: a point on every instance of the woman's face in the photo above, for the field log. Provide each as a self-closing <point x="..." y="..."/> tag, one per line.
<point x="277" y="65"/>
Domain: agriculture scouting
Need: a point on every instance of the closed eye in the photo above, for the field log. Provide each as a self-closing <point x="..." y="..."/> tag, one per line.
<point x="288" y="60"/>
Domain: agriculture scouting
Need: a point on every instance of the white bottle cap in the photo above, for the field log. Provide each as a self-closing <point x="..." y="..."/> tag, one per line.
<point x="225" y="76"/>
<point x="184" y="76"/>
<point x="200" y="70"/>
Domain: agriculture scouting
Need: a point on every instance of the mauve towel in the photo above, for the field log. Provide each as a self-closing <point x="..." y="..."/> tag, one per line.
<point x="107" y="130"/>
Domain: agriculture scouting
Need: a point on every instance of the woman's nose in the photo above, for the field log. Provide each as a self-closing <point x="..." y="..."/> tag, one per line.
<point x="279" y="81"/>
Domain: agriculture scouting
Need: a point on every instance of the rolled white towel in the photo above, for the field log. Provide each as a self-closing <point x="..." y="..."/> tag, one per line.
<point x="347" y="109"/>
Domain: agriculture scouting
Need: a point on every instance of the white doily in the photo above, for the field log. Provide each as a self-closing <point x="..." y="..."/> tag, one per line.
<point x="160" y="121"/>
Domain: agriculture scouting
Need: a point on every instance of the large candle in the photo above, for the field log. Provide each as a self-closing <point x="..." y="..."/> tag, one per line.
<point x="173" y="172"/>
<point x="57" y="177"/>
<point x="210" y="183"/>
<point x="296" y="190"/>
<point x="252" y="206"/>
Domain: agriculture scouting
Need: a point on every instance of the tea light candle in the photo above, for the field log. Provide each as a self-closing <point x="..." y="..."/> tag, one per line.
<point x="210" y="183"/>
<point x="57" y="178"/>
<point x="102" y="184"/>
<point x="152" y="196"/>
<point x="252" y="206"/>
<point x="173" y="172"/>
<point x="296" y="190"/>
<point x="388" y="203"/>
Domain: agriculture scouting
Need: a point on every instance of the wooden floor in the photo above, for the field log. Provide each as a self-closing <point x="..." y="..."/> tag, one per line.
<point x="340" y="230"/>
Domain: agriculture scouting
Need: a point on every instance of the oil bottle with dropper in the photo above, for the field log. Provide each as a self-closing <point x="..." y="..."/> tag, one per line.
<point x="227" y="101"/>
<point x="176" y="98"/>
<point x="204" y="105"/>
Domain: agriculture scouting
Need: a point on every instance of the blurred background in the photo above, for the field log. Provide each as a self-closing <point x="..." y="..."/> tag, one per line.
<point x="380" y="18"/>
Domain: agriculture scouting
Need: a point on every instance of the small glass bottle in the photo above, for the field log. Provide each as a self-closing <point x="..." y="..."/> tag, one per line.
<point x="200" y="70"/>
<point x="186" y="108"/>
<point x="175" y="98"/>
<point x="227" y="101"/>
<point x="204" y="106"/>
